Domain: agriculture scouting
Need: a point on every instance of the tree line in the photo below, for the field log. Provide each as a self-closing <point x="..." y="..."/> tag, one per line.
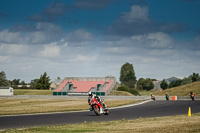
<point x="192" y="78"/>
<point x="42" y="83"/>
<point x="128" y="81"/>
<point x="130" y="84"/>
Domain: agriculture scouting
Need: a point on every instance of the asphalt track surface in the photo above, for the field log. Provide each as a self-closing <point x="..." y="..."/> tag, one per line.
<point x="148" y="109"/>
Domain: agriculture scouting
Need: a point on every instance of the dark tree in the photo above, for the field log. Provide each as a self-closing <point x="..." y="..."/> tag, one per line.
<point x="127" y="75"/>
<point x="3" y="81"/>
<point x="175" y="83"/>
<point x="148" y="84"/>
<point x="145" y="84"/>
<point x="195" y="77"/>
<point x="43" y="83"/>
<point x="140" y="84"/>
<point x="164" y="84"/>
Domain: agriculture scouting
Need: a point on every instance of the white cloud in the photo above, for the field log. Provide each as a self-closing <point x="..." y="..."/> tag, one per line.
<point x="45" y="26"/>
<point x="50" y="50"/>
<point x="13" y="49"/>
<point x="37" y="37"/>
<point x="160" y="40"/>
<point x="9" y="37"/>
<point x="83" y="58"/>
<point x="136" y="13"/>
<point x="40" y="33"/>
<point x="118" y="50"/>
<point x="4" y="59"/>
<point x="80" y="35"/>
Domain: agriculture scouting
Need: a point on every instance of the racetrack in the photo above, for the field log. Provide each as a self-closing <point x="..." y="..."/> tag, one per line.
<point x="148" y="109"/>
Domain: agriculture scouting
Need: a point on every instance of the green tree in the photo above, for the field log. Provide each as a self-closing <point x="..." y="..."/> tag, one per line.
<point x="195" y="77"/>
<point x="164" y="84"/>
<point x="148" y="85"/>
<point x="140" y="83"/>
<point x="175" y="83"/>
<point x="127" y="75"/>
<point x="22" y="83"/>
<point x="187" y="80"/>
<point x="33" y="83"/>
<point x="15" y="82"/>
<point x="43" y="83"/>
<point x="3" y="81"/>
<point x="145" y="84"/>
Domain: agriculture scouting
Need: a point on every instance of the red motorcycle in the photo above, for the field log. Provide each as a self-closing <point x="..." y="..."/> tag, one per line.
<point x="98" y="106"/>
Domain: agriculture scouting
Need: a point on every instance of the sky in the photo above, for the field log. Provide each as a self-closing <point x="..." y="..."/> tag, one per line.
<point x="94" y="38"/>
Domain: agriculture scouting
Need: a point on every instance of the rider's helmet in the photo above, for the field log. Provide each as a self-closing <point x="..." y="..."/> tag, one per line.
<point x="90" y="94"/>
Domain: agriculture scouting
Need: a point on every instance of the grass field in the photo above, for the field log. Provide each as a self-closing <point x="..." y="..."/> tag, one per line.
<point x="183" y="90"/>
<point x="26" y="106"/>
<point x="169" y="124"/>
<point x="120" y="93"/>
<point x="32" y="92"/>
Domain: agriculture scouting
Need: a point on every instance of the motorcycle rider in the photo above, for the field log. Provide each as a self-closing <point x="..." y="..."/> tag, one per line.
<point x="192" y="95"/>
<point x="91" y="96"/>
<point x="166" y="96"/>
<point x="153" y="97"/>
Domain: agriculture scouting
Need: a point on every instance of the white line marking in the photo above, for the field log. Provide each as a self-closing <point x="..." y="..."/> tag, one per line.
<point x="130" y="105"/>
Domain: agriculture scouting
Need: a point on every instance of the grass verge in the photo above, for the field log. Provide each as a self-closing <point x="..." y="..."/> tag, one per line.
<point x="169" y="124"/>
<point x="32" y="92"/>
<point x="27" y="106"/>
<point x="182" y="90"/>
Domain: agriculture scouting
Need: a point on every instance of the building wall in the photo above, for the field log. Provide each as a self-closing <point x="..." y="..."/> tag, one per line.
<point x="89" y="79"/>
<point x="6" y="91"/>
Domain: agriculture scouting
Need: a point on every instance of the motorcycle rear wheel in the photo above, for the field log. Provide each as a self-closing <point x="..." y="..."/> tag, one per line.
<point x="106" y="112"/>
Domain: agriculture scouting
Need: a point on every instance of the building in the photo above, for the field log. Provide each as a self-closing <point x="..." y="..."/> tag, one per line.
<point x="6" y="91"/>
<point x="82" y="85"/>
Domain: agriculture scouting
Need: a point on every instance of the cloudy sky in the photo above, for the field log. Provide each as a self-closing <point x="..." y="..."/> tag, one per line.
<point x="94" y="38"/>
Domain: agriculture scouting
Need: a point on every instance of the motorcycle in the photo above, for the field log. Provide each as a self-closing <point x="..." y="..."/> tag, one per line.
<point x="98" y="106"/>
<point x="192" y="95"/>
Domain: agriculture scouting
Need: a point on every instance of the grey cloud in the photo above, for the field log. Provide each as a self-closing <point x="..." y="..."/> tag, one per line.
<point x="23" y="28"/>
<point x="37" y="18"/>
<point x="80" y="35"/>
<point x="137" y="21"/>
<point x="51" y="13"/>
<point x="40" y="33"/>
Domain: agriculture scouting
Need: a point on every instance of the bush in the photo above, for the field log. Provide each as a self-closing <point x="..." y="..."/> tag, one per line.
<point x="134" y="92"/>
<point x="125" y="88"/>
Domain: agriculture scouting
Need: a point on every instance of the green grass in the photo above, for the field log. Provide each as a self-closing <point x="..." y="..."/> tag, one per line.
<point x="32" y="92"/>
<point x="120" y="93"/>
<point x="168" y="124"/>
<point x="183" y="90"/>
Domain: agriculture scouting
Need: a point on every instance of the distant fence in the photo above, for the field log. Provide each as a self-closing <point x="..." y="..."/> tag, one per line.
<point x="59" y="93"/>
<point x="77" y="93"/>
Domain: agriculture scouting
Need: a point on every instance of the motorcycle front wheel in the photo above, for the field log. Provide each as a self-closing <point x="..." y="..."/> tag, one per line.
<point x="97" y="110"/>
